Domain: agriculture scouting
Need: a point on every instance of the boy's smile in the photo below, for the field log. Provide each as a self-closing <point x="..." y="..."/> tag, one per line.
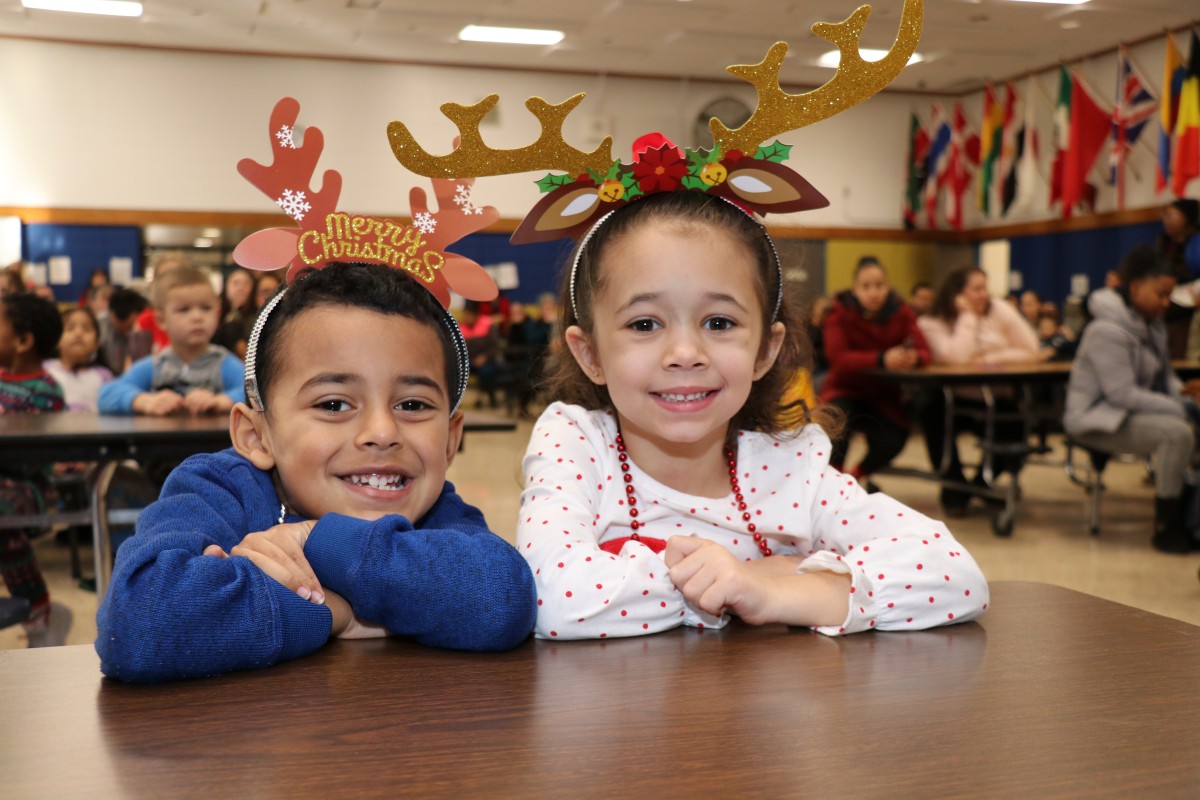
<point x="357" y="420"/>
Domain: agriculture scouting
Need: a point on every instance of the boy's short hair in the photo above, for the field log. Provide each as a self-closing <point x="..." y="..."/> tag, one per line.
<point x="370" y="286"/>
<point x="175" y="279"/>
<point x="30" y="314"/>
<point x="125" y="302"/>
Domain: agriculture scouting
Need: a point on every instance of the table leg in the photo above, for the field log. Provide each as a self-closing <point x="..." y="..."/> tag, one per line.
<point x="101" y="538"/>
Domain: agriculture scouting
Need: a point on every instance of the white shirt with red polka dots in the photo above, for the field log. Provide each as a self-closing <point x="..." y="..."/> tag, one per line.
<point x="908" y="572"/>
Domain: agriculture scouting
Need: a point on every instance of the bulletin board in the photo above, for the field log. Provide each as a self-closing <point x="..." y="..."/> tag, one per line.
<point x="72" y="252"/>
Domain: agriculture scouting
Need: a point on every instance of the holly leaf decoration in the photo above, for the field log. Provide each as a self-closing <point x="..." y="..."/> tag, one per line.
<point x="552" y="182"/>
<point x="630" y="182"/>
<point x="776" y="151"/>
<point x="694" y="182"/>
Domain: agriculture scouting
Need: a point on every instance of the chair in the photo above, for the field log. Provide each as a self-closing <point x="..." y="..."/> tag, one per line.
<point x="1093" y="483"/>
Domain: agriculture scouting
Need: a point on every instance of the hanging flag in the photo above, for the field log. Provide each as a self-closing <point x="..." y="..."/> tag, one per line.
<point x="1020" y="188"/>
<point x="1062" y="133"/>
<point x="1010" y="146"/>
<point x="1134" y="107"/>
<point x="914" y="189"/>
<point x="1168" y="112"/>
<point x="935" y="162"/>
<point x="963" y="154"/>
<point x="990" y="129"/>
<point x="1089" y="128"/>
<point x="1185" y="147"/>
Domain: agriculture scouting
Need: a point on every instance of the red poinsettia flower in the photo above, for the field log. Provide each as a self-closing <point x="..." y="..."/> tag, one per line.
<point x="659" y="170"/>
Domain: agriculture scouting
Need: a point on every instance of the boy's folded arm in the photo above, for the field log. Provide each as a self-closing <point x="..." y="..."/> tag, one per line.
<point x="172" y="612"/>
<point x="451" y="584"/>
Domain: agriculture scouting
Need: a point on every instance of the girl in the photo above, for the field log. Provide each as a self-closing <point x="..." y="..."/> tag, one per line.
<point x="660" y="492"/>
<point x="871" y="327"/>
<point x="76" y="369"/>
<point x="965" y="327"/>
<point x="238" y="310"/>
<point x="1123" y="396"/>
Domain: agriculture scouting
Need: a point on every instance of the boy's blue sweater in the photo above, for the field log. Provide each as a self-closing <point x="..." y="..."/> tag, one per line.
<point x="172" y="612"/>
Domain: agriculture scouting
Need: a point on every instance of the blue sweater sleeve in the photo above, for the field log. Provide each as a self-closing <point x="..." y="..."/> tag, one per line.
<point x="172" y="612"/>
<point x="449" y="583"/>
<point x="116" y="396"/>
<point x="233" y="378"/>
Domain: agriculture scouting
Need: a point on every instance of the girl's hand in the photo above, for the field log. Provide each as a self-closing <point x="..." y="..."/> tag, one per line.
<point x="962" y="304"/>
<point x="715" y="580"/>
<point x="766" y="590"/>
<point x="279" y="552"/>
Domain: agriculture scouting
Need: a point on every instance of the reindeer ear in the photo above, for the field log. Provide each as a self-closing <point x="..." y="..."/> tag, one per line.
<point x="568" y="211"/>
<point x="469" y="279"/>
<point x="273" y="248"/>
<point x="769" y="188"/>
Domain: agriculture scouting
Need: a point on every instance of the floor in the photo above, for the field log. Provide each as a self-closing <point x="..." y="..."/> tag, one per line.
<point x="1050" y="542"/>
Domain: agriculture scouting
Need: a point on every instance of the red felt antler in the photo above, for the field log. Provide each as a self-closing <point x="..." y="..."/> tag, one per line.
<point x="456" y="217"/>
<point x="287" y="181"/>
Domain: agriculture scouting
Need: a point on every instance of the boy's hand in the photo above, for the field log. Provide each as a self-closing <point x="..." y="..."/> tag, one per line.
<point x="715" y="580"/>
<point x="279" y="552"/>
<point x="162" y="403"/>
<point x="202" y="401"/>
<point x="343" y="614"/>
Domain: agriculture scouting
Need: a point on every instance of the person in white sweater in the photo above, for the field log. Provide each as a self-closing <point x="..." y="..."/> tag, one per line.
<point x="966" y="327"/>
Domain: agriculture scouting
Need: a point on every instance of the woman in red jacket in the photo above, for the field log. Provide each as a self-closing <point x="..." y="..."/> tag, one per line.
<point x="870" y="328"/>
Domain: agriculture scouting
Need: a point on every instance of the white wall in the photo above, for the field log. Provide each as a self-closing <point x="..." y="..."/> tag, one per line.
<point x="111" y="128"/>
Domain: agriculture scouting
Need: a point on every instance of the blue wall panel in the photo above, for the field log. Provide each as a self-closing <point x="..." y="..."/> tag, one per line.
<point x="89" y="247"/>
<point x="537" y="264"/>
<point x="1047" y="262"/>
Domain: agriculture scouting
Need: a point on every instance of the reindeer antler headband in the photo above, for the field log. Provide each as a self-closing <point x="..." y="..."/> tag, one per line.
<point x="739" y="168"/>
<point x="324" y="235"/>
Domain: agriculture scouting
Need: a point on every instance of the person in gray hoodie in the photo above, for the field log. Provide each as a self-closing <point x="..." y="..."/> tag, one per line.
<point x="1123" y="396"/>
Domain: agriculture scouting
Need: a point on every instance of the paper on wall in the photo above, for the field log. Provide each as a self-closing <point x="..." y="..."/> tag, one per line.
<point x="60" y="270"/>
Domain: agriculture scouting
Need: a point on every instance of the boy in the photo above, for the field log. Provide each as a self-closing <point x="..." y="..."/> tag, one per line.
<point x="331" y="515"/>
<point x="192" y="375"/>
<point x="124" y="305"/>
<point x="30" y="328"/>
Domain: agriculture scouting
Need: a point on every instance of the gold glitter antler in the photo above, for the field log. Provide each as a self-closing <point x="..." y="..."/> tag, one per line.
<point x="473" y="159"/>
<point x="779" y="112"/>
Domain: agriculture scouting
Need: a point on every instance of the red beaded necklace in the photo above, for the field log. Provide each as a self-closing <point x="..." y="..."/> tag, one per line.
<point x="730" y="459"/>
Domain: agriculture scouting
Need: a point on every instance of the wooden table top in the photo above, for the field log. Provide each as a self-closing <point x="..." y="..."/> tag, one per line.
<point x="1051" y="694"/>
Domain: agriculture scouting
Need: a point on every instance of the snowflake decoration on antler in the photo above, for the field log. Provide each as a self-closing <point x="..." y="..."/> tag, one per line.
<point x="285" y="136"/>
<point x="425" y="222"/>
<point x="462" y="198"/>
<point x="293" y="204"/>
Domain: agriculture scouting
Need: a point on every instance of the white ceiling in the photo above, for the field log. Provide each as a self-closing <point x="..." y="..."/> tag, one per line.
<point x="965" y="42"/>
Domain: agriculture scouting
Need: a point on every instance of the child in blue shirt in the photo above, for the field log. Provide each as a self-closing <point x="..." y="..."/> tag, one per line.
<point x="192" y="375"/>
<point x="331" y="515"/>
